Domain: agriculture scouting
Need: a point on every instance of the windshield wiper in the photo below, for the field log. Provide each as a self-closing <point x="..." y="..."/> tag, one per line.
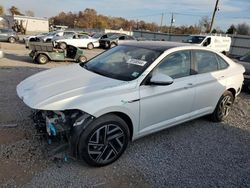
<point x="97" y="72"/>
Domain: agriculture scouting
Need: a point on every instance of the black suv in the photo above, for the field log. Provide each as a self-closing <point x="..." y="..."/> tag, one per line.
<point x="114" y="40"/>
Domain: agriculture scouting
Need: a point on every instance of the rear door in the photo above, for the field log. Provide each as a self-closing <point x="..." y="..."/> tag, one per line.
<point x="210" y="80"/>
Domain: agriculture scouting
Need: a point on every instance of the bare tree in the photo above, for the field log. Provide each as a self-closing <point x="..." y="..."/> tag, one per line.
<point x="243" y="29"/>
<point x="29" y="13"/>
<point x="204" y="24"/>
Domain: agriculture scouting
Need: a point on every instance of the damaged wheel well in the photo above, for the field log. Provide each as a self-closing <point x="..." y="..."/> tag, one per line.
<point x="127" y="119"/>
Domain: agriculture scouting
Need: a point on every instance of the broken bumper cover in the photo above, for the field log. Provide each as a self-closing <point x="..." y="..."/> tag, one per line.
<point x="67" y="126"/>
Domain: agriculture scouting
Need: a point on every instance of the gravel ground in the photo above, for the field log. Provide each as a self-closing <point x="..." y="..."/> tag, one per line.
<point x="195" y="154"/>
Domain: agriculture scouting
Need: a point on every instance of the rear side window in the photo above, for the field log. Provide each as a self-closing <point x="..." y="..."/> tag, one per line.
<point x="222" y="63"/>
<point x="205" y="61"/>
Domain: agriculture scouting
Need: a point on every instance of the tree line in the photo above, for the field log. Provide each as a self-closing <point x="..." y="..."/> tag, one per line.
<point x="90" y="19"/>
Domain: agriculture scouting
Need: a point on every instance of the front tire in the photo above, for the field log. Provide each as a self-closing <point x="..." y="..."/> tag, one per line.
<point x="223" y="107"/>
<point x="104" y="141"/>
<point x="12" y="40"/>
<point x="112" y="45"/>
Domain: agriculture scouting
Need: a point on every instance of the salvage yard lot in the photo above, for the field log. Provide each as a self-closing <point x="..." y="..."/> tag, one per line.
<point x="195" y="154"/>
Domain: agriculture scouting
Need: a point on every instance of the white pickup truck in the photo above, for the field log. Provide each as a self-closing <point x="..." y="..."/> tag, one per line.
<point x="218" y="43"/>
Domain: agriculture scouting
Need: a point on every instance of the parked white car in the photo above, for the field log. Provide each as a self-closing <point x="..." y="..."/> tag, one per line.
<point x="130" y="91"/>
<point x="216" y="42"/>
<point x="80" y="41"/>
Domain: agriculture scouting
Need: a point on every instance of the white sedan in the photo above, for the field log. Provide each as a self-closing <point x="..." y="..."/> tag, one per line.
<point x="130" y="91"/>
<point x="80" y="41"/>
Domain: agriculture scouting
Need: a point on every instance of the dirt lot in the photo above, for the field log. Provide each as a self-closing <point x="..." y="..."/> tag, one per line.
<point x="195" y="154"/>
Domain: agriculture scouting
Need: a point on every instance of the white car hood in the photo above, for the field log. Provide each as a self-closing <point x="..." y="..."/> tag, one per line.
<point x="57" y="88"/>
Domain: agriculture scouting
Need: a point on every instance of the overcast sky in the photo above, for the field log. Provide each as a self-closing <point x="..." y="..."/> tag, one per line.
<point x="231" y="11"/>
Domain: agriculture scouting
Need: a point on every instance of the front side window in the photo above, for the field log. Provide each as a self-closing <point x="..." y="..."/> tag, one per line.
<point x="205" y="61"/>
<point x="122" y="62"/>
<point x="175" y="65"/>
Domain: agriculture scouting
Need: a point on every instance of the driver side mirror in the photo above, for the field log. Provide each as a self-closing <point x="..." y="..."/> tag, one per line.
<point x="160" y="79"/>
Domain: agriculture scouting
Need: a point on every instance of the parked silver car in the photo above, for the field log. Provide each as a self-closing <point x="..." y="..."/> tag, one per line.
<point x="8" y="35"/>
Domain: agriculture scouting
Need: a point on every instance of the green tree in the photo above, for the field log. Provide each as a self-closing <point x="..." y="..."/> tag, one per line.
<point x="231" y="30"/>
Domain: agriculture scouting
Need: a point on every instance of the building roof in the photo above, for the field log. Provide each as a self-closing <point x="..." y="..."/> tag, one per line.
<point x="30" y="17"/>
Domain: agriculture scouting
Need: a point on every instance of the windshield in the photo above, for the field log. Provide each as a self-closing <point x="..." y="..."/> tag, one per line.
<point x="194" y="39"/>
<point x="246" y="57"/>
<point x="122" y="62"/>
<point x="97" y="35"/>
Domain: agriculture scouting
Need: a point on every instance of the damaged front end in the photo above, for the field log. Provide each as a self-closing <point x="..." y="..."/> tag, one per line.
<point x="62" y="129"/>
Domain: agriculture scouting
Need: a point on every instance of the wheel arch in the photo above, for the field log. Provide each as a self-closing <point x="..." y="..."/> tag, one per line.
<point x="124" y="116"/>
<point x="233" y="91"/>
<point x="128" y="120"/>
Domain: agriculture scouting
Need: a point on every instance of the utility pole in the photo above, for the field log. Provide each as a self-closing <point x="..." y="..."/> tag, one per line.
<point x="212" y="22"/>
<point x="161" y="22"/>
<point x="171" y="25"/>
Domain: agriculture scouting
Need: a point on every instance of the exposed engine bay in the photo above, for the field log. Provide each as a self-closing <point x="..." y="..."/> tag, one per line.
<point x="62" y="129"/>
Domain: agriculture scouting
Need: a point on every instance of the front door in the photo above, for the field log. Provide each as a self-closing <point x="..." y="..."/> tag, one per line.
<point x="163" y="106"/>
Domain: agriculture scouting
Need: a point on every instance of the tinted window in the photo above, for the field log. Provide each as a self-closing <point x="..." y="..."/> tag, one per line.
<point x="122" y="38"/>
<point x="175" y="65"/>
<point x="205" y="61"/>
<point x="194" y="39"/>
<point x="222" y="63"/>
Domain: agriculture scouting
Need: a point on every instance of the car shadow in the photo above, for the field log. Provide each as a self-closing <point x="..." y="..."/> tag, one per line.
<point x="17" y="57"/>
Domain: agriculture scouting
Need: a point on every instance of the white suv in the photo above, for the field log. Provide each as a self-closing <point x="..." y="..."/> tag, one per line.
<point x="130" y="91"/>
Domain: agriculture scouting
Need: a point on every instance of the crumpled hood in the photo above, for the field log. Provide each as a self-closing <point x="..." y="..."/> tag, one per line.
<point x="62" y="85"/>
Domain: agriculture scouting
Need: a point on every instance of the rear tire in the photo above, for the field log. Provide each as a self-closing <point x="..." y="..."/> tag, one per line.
<point x="223" y="107"/>
<point x="104" y="140"/>
<point x="42" y="59"/>
<point x="12" y="40"/>
<point x="90" y="46"/>
<point x="82" y="59"/>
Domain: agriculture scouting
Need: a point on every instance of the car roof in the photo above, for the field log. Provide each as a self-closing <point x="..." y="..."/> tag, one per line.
<point x="156" y="45"/>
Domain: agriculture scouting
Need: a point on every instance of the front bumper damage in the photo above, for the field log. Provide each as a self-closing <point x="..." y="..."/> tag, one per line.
<point x="62" y="130"/>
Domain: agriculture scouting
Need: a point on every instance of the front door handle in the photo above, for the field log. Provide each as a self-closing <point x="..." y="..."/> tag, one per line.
<point x="189" y="85"/>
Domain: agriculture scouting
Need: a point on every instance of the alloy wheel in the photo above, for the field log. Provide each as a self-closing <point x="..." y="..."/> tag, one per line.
<point x="225" y="106"/>
<point x="106" y="143"/>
